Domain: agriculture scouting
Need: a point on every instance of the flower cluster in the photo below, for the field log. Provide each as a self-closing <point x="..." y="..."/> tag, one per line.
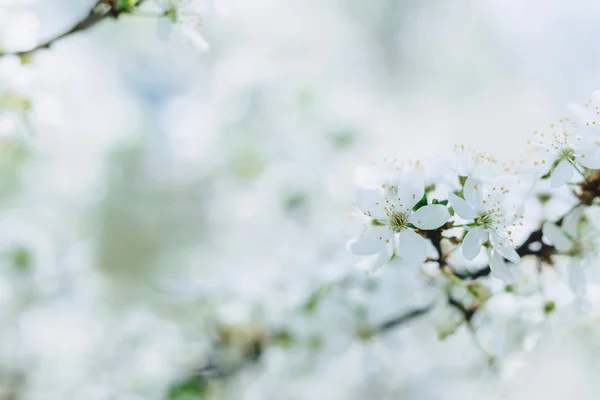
<point x="404" y="212"/>
<point x="210" y="263"/>
<point x="473" y="202"/>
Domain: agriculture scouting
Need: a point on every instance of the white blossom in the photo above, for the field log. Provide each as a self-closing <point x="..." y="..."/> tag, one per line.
<point x="563" y="152"/>
<point x="392" y="220"/>
<point x="186" y="16"/>
<point x="492" y="222"/>
<point x="468" y="162"/>
<point x="183" y="220"/>
<point x="576" y="238"/>
<point x="589" y="113"/>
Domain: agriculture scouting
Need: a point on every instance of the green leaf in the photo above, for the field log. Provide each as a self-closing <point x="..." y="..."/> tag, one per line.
<point x="317" y="295"/>
<point x="314" y="343"/>
<point x="296" y="204"/>
<point x="283" y="338"/>
<point x="125" y="5"/>
<point x="344" y="139"/>
<point x="549" y="306"/>
<point x="421" y="203"/>
<point x="554" y="164"/>
<point x="22" y="258"/>
<point x="547" y="175"/>
<point x="192" y="388"/>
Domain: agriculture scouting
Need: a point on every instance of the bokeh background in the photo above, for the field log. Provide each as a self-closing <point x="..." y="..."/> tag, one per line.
<point x="152" y="193"/>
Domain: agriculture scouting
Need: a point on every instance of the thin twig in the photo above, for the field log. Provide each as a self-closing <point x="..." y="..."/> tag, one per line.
<point x="102" y="9"/>
<point x="402" y="319"/>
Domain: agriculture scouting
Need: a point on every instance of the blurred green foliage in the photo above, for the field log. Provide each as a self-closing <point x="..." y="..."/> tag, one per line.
<point x="191" y="388"/>
<point x="22" y="258"/>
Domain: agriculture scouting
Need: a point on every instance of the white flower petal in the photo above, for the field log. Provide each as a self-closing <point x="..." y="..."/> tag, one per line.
<point x="501" y="270"/>
<point x="509" y="253"/>
<point x="577" y="280"/>
<point x="588" y="161"/>
<point x="410" y="191"/>
<point x="383" y="257"/>
<point x="371" y="203"/>
<point x="164" y="4"/>
<point x="223" y="8"/>
<point x="584" y="113"/>
<point x="556" y="237"/>
<point x="473" y="193"/>
<point x="473" y="241"/>
<point x="430" y="217"/>
<point x="412" y="247"/>
<point x="503" y="246"/>
<point x="571" y="220"/>
<point x="367" y="177"/>
<point x="194" y="37"/>
<point x="164" y="27"/>
<point x="587" y="144"/>
<point x="561" y="174"/>
<point x="373" y="241"/>
<point x="460" y="206"/>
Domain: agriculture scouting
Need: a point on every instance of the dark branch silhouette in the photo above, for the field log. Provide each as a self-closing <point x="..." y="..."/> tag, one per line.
<point x="402" y="319"/>
<point x="102" y="10"/>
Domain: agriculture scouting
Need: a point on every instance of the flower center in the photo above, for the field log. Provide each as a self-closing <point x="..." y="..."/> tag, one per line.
<point x="398" y="221"/>
<point x="566" y="153"/>
<point x="484" y="219"/>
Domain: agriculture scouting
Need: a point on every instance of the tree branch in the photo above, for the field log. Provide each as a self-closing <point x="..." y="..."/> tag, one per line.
<point x="402" y="319"/>
<point x="544" y="252"/>
<point x="522" y="250"/>
<point x="102" y="9"/>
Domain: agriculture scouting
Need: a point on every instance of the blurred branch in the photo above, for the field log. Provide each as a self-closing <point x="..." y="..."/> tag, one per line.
<point x="102" y="10"/>
<point x="467" y="313"/>
<point x="402" y="319"/>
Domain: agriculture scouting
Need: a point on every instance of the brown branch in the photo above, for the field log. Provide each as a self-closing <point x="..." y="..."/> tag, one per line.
<point x="467" y="313"/>
<point x="402" y="319"/>
<point x="544" y="252"/>
<point x="589" y="190"/>
<point x="102" y="9"/>
<point x="523" y="250"/>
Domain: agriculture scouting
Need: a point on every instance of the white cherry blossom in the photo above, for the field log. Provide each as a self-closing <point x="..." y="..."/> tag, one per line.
<point x="468" y="162"/>
<point x="492" y="223"/>
<point x="186" y="17"/>
<point x="577" y="239"/>
<point x="500" y="269"/>
<point x="589" y="113"/>
<point x="562" y="152"/>
<point x="393" y="220"/>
